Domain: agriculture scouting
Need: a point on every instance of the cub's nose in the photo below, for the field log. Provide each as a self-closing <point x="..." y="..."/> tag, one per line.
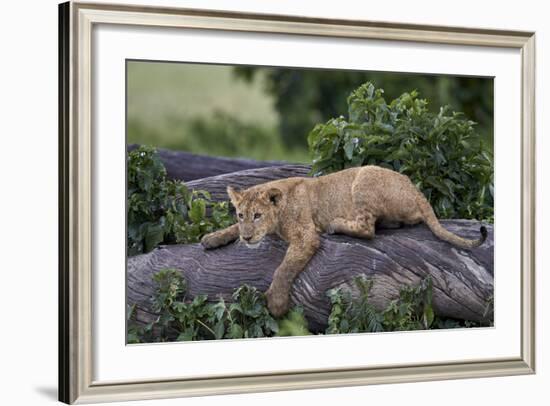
<point x="247" y="239"/>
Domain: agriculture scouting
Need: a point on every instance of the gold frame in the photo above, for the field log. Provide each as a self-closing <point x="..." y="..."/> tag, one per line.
<point x="75" y="273"/>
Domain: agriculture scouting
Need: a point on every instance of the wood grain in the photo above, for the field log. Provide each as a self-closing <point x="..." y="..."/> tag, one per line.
<point x="186" y="166"/>
<point x="463" y="280"/>
<point x="217" y="185"/>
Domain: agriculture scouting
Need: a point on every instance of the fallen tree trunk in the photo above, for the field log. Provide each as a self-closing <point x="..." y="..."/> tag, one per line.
<point x="217" y="185"/>
<point x="186" y="166"/>
<point x="462" y="279"/>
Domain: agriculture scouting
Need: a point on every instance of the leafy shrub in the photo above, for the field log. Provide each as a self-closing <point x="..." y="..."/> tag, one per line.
<point x="437" y="151"/>
<point x="411" y="311"/>
<point x="134" y="334"/>
<point x="165" y="211"/>
<point x="248" y="315"/>
<point x="182" y="319"/>
<point x="294" y="323"/>
<point x="349" y="315"/>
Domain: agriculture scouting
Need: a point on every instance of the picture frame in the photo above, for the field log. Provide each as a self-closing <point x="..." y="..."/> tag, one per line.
<point x="77" y="383"/>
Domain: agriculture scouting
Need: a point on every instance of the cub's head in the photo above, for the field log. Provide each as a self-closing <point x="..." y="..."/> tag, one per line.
<point x="257" y="212"/>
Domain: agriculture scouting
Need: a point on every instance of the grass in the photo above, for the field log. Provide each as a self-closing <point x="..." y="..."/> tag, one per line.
<point x="204" y="109"/>
<point x="157" y="91"/>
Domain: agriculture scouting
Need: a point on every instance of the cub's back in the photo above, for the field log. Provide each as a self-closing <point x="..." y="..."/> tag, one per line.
<point x="331" y="195"/>
<point x="386" y="193"/>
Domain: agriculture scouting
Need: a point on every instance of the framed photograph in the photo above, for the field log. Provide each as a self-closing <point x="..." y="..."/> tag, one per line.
<point x="253" y="202"/>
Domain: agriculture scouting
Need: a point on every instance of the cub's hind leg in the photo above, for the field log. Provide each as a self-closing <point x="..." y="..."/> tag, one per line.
<point x="362" y="226"/>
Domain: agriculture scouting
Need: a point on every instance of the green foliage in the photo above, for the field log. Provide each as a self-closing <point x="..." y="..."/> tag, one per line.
<point x="438" y="152"/>
<point x="304" y="97"/>
<point x="411" y="311"/>
<point x="489" y="306"/>
<point x="294" y="324"/>
<point x="183" y="319"/>
<point x="165" y="211"/>
<point x="133" y="333"/>
<point x="248" y="315"/>
<point x="353" y="315"/>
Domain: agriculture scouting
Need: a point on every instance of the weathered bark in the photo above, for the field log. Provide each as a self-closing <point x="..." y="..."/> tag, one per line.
<point x="462" y="279"/>
<point x="185" y="166"/>
<point x="217" y="185"/>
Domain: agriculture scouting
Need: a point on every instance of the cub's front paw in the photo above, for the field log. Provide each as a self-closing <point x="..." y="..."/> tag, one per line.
<point x="210" y="241"/>
<point x="277" y="302"/>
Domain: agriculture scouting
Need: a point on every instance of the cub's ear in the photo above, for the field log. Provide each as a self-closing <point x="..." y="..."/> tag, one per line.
<point x="234" y="195"/>
<point x="274" y="195"/>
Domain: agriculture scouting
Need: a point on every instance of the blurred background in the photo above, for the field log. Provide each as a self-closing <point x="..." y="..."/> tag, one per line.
<point x="266" y="113"/>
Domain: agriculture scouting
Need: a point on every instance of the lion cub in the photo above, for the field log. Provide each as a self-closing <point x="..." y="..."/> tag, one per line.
<point x="299" y="209"/>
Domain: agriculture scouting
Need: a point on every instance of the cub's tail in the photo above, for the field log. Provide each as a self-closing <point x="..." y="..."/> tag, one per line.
<point x="435" y="226"/>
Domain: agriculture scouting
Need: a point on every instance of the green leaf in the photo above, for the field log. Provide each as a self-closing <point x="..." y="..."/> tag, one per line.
<point x="349" y="147"/>
<point x="130" y="311"/>
<point x="133" y="338"/>
<point x="271" y="324"/>
<point x="154" y="235"/>
<point x="256" y="331"/>
<point x="198" y="210"/>
<point x="219" y="329"/>
<point x="187" y="335"/>
<point x="235" y="331"/>
<point x="428" y="316"/>
<point x="219" y="309"/>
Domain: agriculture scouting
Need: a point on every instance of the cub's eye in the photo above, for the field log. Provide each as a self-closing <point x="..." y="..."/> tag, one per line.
<point x="257" y="216"/>
<point x="240" y="215"/>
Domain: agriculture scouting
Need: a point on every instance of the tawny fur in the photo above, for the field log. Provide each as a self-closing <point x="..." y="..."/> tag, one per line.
<point x="348" y="202"/>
